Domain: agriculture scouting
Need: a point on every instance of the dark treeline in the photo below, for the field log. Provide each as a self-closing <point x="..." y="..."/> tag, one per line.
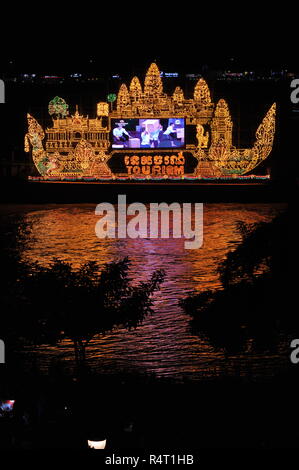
<point x="253" y="303"/>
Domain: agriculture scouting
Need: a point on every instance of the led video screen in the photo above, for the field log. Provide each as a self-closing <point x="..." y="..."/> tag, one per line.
<point x="148" y="133"/>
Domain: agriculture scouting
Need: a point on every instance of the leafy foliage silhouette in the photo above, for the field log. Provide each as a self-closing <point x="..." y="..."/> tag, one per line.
<point x="50" y="303"/>
<point x="251" y="304"/>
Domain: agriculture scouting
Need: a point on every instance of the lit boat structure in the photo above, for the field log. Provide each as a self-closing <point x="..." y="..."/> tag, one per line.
<point x="150" y="136"/>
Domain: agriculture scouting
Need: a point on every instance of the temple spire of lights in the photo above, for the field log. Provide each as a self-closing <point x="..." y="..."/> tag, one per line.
<point x="202" y="92"/>
<point x="153" y="85"/>
<point x="222" y="125"/>
<point x="123" y="98"/>
<point x="178" y="95"/>
<point x="135" y="88"/>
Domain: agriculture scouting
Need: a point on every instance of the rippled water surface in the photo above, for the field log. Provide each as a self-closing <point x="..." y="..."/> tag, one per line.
<point x="163" y="345"/>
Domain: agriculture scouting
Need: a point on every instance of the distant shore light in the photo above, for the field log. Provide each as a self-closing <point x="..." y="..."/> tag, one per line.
<point x="97" y="444"/>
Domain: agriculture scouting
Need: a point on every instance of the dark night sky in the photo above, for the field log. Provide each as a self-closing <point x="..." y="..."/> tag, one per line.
<point x="180" y="37"/>
<point x="132" y="59"/>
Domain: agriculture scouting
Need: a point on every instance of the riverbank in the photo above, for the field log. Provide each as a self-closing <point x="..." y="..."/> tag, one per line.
<point x="62" y="412"/>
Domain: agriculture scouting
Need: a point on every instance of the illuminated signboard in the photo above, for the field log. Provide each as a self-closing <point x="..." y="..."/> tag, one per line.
<point x="160" y="165"/>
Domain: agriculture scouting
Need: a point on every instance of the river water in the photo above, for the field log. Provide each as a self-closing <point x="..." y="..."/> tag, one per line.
<point x="164" y="345"/>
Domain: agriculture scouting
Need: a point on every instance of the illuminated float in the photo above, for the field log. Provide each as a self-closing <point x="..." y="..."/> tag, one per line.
<point x="149" y="135"/>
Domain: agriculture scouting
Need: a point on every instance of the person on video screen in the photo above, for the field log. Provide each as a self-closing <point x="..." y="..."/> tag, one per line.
<point x="171" y="131"/>
<point x="120" y="134"/>
<point x="155" y="136"/>
<point x="145" y="139"/>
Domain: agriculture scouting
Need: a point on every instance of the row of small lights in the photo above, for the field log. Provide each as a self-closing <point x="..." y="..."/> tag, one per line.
<point x="192" y="178"/>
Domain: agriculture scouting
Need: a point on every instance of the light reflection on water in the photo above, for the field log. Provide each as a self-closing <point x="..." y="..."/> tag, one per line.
<point x="163" y="345"/>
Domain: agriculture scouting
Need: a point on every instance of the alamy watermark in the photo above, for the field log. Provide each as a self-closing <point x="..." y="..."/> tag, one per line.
<point x="295" y="93"/>
<point x="294" y="357"/>
<point x="2" y="92"/>
<point x="2" y="352"/>
<point x="151" y="221"/>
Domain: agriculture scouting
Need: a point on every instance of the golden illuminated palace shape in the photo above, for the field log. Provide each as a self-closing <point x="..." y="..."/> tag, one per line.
<point x="78" y="146"/>
<point x="153" y="102"/>
<point x="75" y="145"/>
